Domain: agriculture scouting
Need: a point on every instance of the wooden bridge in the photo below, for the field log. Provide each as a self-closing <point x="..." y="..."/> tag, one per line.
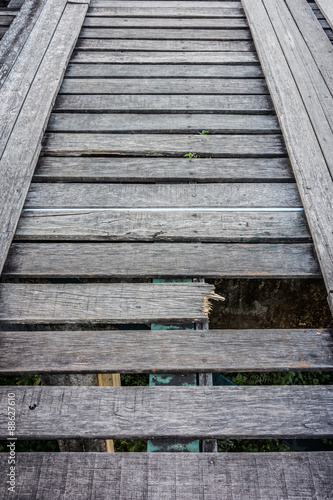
<point x="147" y="146"/>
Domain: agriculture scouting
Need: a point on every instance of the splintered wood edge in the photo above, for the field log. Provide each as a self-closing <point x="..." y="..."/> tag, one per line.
<point x="207" y="306"/>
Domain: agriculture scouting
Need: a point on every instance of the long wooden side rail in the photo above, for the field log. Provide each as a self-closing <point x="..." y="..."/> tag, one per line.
<point x="150" y="146"/>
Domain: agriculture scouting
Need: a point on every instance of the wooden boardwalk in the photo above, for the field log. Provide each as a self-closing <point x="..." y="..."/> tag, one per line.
<point x="148" y="146"/>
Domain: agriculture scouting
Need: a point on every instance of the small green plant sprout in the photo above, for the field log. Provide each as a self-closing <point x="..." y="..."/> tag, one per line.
<point x="191" y="155"/>
<point x="204" y="132"/>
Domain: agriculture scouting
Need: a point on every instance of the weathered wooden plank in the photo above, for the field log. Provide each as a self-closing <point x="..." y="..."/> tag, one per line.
<point x="16" y="4"/>
<point x="166" y="34"/>
<point x="176" y="476"/>
<point x="16" y="37"/>
<point x="166" y="45"/>
<point x="164" y="144"/>
<point x="56" y="260"/>
<point x="163" y="86"/>
<point x="166" y="4"/>
<point x="125" y="225"/>
<point x="147" y="412"/>
<point x="85" y="56"/>
<point x="16" y="84"/>
<point x="326" y="8"/>
<point x="308" y="77"/>
<point x="168" y="351"/>
<point x="165" y="22"/>
<point x="6" y="19"/>
<point x="319" y="47"/>
<point x="106" y="303"/>
<point x="166" y="123"/>
<point x="95" y="169"/>
<point x="227" y="195"/>
<point x="311" y="172"/>
<point x="87" y="70"/>
<point x="23" y="145"/>
<point x="165" y="103"/>
<point x="168" y="11"/>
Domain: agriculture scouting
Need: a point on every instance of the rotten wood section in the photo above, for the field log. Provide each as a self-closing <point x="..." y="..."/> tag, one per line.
<point x="180" y="476"/>
<point x="27" y="96"/>
<point x="165" y="351"/>
<point x="225" y="412"/>
<point x="306" y="126"/>
<point x="105" y="303"/>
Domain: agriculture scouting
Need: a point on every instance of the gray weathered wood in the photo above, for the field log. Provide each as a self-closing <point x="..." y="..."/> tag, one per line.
<point x="163" y="22"/>
<point x="118" y="225"/>
<point x="163" y="86"/>
<point x="311" y="172"/>
<point x="147" y="412"/>
<point x="85" y="56"/>
<point x="227" y="195"/>
<point x="165" y="103"/>
<point x="24" y="143"/>
<point x="171" y="123"/>
<point x="106" y="303"/>
<point x="168" y="351"/>
<point x="167" y="11"/>
<point x="166" y="34"/>
<point x="166" y="4"/>
<point x="176" y="476"/>
<point x="326" y="8"/>
<point x="77" y="70"/>
<point x="140" y="260"/>
<point x="164" y="144"/>
<point x="166" y="45"/>
<point x="94" y="169"/>
<point x="16" y="4"/>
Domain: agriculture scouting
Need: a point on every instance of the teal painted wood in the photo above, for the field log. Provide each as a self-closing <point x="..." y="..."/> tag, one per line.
<point x="188" y="379"/>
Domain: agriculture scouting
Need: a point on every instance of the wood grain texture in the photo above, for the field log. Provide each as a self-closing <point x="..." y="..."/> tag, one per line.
<point x="168" y="11"/>
<point x="113" y="225"/>
<point x="23" y="145"/>
<point x="326" y="8"/>
<point x="146" y="170"/>
<point x="166" y="4"/>
<point x="226" y="195"/>
<point x="166" y="45"/>
<point x="168" y="351"/>
<point x="180" y="476"/>
<point x="164" y="144"/>
<point x="141" y="260"/>
<point x="110" y="303"/>
<point x="166" y="34"/>
<point x="311" y="172"/>
<point x="88" y="70"/>
<point x="241" y="104"/>
<point x="193" y="412"/>
<point x="165" y="22"/>
<point x="166" y="123"/>
<point x="163" y="86"/>
<point x="16" y="37"/>
<point x="123" y="57"/>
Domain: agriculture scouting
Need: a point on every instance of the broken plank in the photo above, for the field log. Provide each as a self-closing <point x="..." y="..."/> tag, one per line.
<point x="94" y="169"/>
<point x="104" y="303"/>
<point x="164" y="144"/>
<point x="163" y="86"/>
<point x="167" y="351"/>
<point x="195" y="225"/>
<point x="227" y="195"/>
<point x="229" y="412"/>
